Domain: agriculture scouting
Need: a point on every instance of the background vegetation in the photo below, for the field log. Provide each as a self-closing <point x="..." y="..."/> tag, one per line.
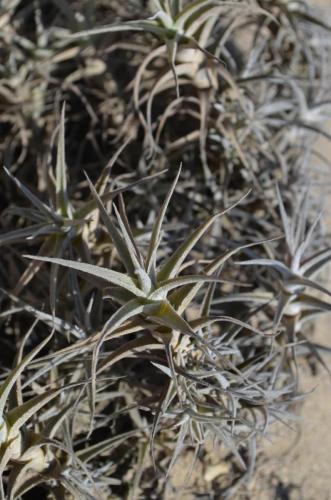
<point x="161" y="251"/>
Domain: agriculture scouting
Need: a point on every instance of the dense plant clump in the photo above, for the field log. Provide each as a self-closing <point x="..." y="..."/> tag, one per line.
<point x="160" y="251"/>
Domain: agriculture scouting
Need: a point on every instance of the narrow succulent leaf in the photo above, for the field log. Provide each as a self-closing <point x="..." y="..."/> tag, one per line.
<point x="90" y="206"/>
<point x="148" y="26"/>
<point x="179" y="444"/>
<point x="57" y="251"/>
<point x="173" y="264"/>
<point x="26" y="233"/>
<point x="258" y="297"/>
<point x="119" y="242"/>
<point x="176" y="6"/>
<point x="208" y="298"/>
<point x="57" y="324"/>
<point x="31" y="214"/>
<point x="182" y="298"/>
<point x="306" y="16"/>
<point x="307" y="239"/>
<point x="171" y="364"/>
<point x="157" y="227"/>
<point x="44" y="209"/>
<point x="305" y="282"/>
<point x="87" y="454"/>
<point x="17" y="479"/>
<point x="307" y="302"/>
<point x="132" y="308"/>
<point x="165" y="287"/>
<point x="82" y="346"/>
<point x="285" y="221"/>
<point x="130" y="349"/>
<point x="315" y="263"/>
<point x="126" y="312"/>
<point x="53" y="424"/>
<point x="285" y="272"/>
<point x="141" y="463"/>
<point x="162" y="84"/>
<point x="129" y="241"/>
<point x="164" y="369"/>
<point x="15" y="398"/>
<point x="215" y="11"/>
<point x="103" y="178"/>
<point x="34" y="266"/>
<point x="283" y="300"/>
<point x="193" y="9"/>
<point x="172" y="49"/>
<point x="289" y="277"/>
<point x="139" y="271"/>
<point x="203" y="36"/>
<point x="167" y="7"/>
<point x="167" y="316"/>
<point x="114" y="277"/>
<point x="314" y="351"/>
<point x="15" y="373"/>
<point x="5" y="455"/>
<point x="206" y="321"/>
<point x="301" y="209"/>
<point x="322" y="347"/>
<point x="157" y="5"/>
<point x="158" y="52"/>
<point x="17" y="417"/>
<point x="169" y="393"/>
<point x="62" y="200"/>
<point x="201" y="17"/>
<point x="125" y="220"/>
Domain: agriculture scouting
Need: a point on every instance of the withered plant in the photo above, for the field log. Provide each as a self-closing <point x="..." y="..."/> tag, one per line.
<point x="162" y="253"/>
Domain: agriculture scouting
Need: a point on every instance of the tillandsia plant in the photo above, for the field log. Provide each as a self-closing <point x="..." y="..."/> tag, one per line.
<point x="243" y="97"/>
<point x="147" y="291"/>
<point x="153" y="302"/>
<point x="234" y="97"/>
<point x="178" y="299"/>
<point x="15" y="415"/>
<point x="296" y="294"/>
<point x="32" y="451"/>
<point x="185" y="33"/>
<point x="60" y="225"/>
<point x="33" y="59"/>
